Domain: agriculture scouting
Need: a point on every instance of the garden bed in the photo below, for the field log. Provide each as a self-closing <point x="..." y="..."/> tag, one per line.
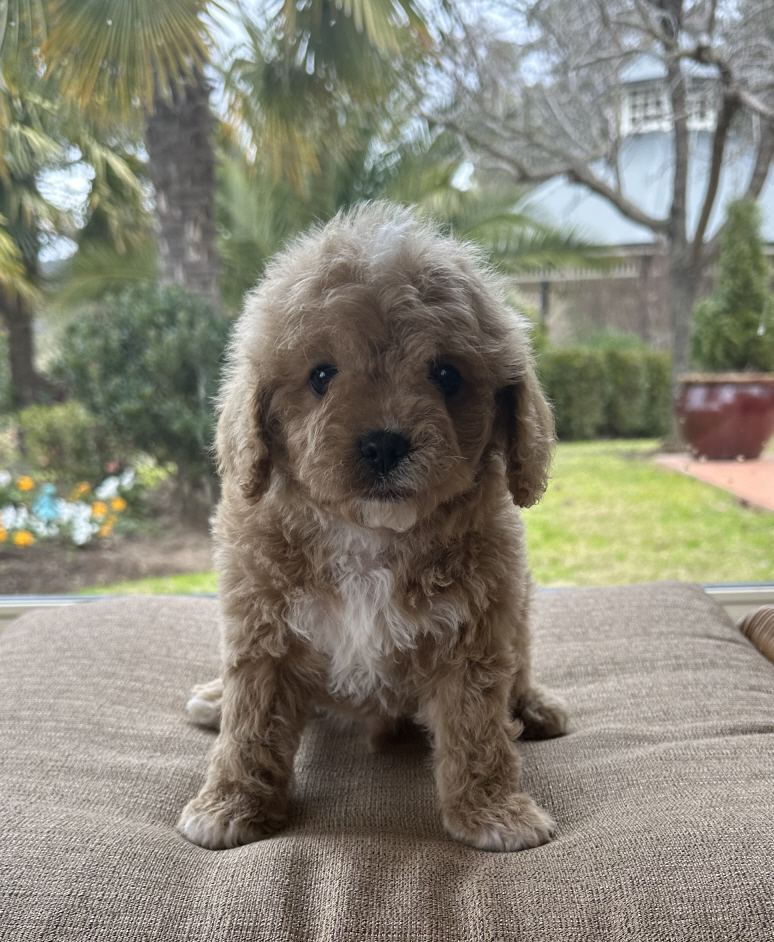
<point x="51" y="568"/>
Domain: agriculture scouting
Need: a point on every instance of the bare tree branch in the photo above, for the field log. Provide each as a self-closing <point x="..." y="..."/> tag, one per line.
<point x="711" y="19"/>
<point x="680" y="143"/>
<point x="753" y="103"/>
<point x="727" y="111"/>
<point x="554" y="98"/>
<point x="763" y="160"/>
<point x="579" y="173"/>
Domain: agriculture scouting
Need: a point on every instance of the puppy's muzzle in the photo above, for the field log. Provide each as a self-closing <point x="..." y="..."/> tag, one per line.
<point x="383" y="450"/>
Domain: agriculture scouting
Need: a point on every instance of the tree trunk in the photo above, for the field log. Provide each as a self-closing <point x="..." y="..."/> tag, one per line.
<point x="27" y="386"/>
<point x="182" y="169"/>
<point x="683" y="284"/>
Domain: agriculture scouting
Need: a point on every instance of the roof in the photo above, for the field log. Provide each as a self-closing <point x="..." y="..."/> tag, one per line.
<point x="647" y="68"/>
<point x="646" y="170"/>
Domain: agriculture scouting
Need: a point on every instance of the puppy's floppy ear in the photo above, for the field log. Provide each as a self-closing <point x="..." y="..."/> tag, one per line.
<point x="528" y="426"/>
<point x="243" y="441"/>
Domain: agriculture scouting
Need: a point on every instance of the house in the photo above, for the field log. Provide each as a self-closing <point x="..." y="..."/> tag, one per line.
<point x="631" y="294"/>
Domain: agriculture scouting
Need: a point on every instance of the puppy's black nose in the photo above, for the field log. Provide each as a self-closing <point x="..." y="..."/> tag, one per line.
<point x="384" y="450"/>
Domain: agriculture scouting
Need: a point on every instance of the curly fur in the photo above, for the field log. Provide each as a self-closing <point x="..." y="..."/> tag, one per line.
<point x="338" y="591"/>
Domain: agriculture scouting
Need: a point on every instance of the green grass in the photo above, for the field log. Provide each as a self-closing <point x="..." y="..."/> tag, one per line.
<point x="610" y="517"/>
<point x="189" y="583"/>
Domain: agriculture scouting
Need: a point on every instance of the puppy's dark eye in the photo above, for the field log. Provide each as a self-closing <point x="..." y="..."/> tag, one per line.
<point x="446" y="377"/>
<point x="320" y="378"/>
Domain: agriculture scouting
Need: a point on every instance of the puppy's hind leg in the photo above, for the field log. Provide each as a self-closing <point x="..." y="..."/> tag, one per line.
<point x="542" y="713"/>
<point x="205" y="704"/>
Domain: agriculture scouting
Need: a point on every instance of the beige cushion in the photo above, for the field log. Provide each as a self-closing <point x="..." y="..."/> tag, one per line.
<point x="664" y="792"/>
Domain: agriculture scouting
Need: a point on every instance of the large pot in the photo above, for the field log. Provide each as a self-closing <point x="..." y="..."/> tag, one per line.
<point x="727" y="415"/>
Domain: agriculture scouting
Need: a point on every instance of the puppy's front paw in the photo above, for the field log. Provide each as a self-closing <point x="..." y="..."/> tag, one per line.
<point x="519" y="824"/>
<point x="204" y="707"/>
<point x="222" y="821"/>
<point x="542" y="713"/>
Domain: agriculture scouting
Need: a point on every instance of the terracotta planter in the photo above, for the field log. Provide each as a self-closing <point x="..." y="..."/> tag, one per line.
<point x="727" y="415"/>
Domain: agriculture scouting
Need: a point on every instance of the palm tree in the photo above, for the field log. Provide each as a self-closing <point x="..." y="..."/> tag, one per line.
<point x="28" y="144"/>
<point x="40" y="133"/>
<point x="116" y="60"/>
<point x="258" y="211"/>
<point x="154" y="53"/>
<point x="313" y="131"/>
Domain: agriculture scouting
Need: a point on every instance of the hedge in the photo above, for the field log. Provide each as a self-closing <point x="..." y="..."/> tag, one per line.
<point x="614" y="393"/>
<point x="147" y="366"/>
<point x="67" y="440"/>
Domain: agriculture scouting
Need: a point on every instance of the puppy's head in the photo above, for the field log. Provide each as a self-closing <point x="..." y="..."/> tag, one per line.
<point x="376" y="371"/>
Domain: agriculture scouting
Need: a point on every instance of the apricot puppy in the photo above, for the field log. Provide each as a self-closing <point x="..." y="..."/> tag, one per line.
<point x="380" y="426"/>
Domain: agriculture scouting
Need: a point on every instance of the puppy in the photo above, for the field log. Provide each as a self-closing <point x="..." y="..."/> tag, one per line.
<point x="381" y="423"/>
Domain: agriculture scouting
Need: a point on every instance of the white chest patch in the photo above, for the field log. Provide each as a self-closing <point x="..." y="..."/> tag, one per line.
<point x="363" y="630"/>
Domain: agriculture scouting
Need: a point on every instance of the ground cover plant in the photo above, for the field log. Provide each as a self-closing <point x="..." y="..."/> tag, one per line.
<point x="611" y="517"/>
<point x="32" y="510"/>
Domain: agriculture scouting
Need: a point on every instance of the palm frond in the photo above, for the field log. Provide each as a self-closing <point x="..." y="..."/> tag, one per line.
<point x="256" y="215"/>
<point x="98" y="270"/>
<point x="23" y="24"/>
<point x="116" y="54"/>
<point x="13" y="274"/>
<point x="382" y="23"/>
<point x="303" y="76"/>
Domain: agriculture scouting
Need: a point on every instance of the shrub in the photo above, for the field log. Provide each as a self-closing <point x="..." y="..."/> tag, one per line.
<point x="626" y="386"/>
<point x="621" y="392"/>
<point x="66" y="440"/>
<point x="574" y="381"/>
<point x="32" y="510"/>
<point x="657" y="411"/>
<point x="610" y="339"/>
<point x="733" y="329"/>
<point x="147" y="364"/>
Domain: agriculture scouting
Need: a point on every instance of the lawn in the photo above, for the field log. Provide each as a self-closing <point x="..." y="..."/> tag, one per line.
<point x="610" y="517"/>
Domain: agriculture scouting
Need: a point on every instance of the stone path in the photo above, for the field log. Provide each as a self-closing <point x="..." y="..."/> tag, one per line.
<point x="752" y="481"/>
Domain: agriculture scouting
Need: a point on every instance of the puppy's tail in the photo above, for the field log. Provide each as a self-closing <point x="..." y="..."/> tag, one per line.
<point x="204" y="705"/>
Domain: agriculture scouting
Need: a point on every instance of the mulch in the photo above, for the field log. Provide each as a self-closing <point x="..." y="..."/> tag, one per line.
<point x="46" y="568"/>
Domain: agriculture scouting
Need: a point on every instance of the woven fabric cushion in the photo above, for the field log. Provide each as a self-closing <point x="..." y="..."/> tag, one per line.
<point x="662" y="790"/>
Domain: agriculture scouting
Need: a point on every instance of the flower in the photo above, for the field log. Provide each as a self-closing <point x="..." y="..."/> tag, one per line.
<point x="118" y="504"/>
<point x="99" y="508"/>
<point x="25" y="483"/>
<point x="111" y="467"/>
<point x="83" y="531"/>
<point x="23" y="538"/>
<point x="3" y="535"/>
<point x="5" y="478"/>
<point x="80" y="489"/>
<point x="106" y="527"/>
<point x="14" y="518"/>
<point x="107" y="489"/>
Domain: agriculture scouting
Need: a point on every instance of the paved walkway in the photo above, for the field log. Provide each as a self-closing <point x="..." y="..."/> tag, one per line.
<point x="753" y="481"/>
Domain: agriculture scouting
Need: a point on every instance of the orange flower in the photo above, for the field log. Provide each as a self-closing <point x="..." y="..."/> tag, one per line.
<point x="23" y="538"/>
<point x="106" y="527"/>
<point x="118" y="504"/>
<point x="3" y="535"/>
<point x="25" y="483"/>
<point x="99" y="508"/>
<point x="80" y="489"/>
